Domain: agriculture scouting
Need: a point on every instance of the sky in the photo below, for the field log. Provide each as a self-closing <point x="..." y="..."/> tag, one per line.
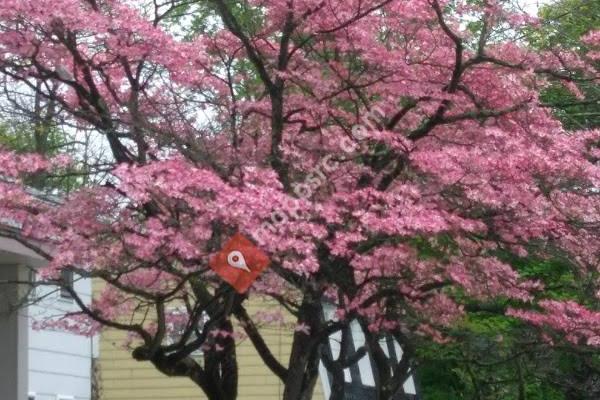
<point x="531" y="6"/>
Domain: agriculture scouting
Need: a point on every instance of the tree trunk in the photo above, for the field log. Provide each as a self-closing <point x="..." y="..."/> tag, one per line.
<point x="302" y="372"/>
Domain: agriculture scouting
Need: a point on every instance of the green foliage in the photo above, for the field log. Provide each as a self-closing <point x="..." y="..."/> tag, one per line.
<point x="574" y="113"/>
<point x="47" y="141"/>
<point x="563" y="24"/>
<point x="206" y="19"/>
<point x="495" y="357"/>
<point x="23" y="139"/>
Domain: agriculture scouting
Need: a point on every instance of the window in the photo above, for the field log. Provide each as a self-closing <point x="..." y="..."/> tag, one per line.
<point x="359" y="378"/>
<point x="32" y="289"/>
<point x="176" y="328"/>
<point x="66" y="284"/>
<point x="64" y="397"/>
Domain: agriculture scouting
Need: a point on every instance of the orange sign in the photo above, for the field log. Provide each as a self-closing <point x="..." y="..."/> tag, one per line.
<point x="239" y="263"/>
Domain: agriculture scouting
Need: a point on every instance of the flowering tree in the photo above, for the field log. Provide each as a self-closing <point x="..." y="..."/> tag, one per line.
<point x="390" y="156"/>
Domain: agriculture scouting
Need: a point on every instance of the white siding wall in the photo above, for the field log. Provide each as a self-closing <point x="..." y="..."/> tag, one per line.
<point x="59" y="362"/>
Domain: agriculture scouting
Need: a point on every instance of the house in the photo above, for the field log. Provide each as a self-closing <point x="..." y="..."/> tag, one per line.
<point x="123" y="378"/>
<point x="39" y="364"/>
<point x="57" y="365"/>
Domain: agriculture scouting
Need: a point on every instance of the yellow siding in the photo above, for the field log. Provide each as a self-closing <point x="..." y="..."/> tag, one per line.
<point x="123" y="378"/>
